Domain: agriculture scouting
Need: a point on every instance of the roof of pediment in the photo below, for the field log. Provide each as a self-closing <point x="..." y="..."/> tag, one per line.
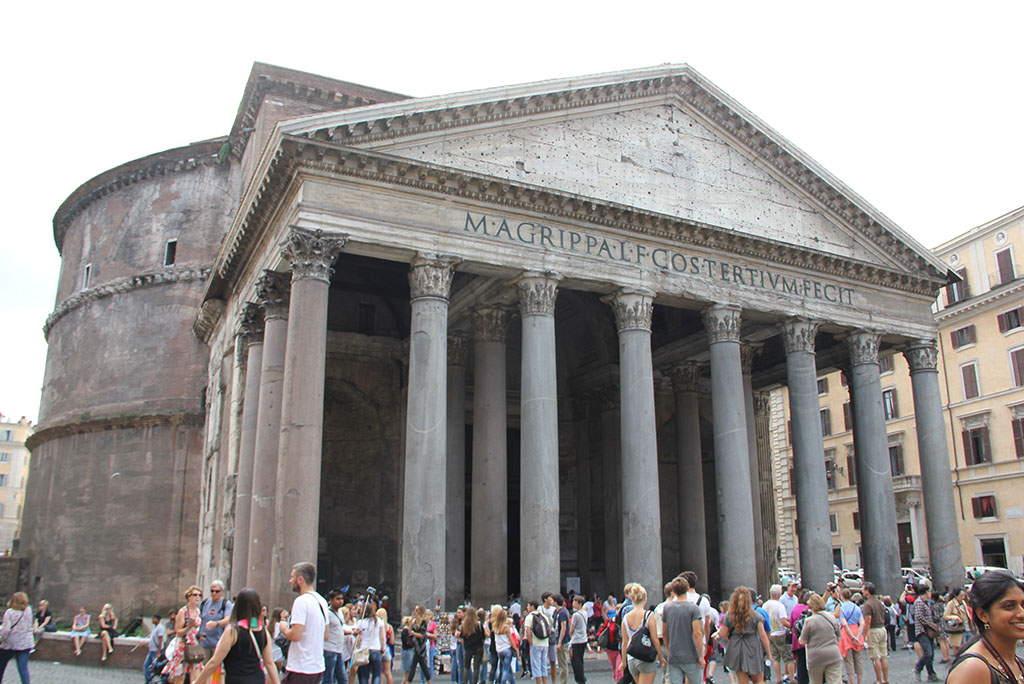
<point x="429" y="117"/>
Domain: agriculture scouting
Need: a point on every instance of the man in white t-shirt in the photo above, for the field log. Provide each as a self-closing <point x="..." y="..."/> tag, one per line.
<point x="693" y="596"/>
<point x="781" y="648"/>
<point x="307" y="629"/>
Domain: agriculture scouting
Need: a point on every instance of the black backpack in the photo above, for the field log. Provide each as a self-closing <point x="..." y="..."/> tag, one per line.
<point x="541" y="628"/>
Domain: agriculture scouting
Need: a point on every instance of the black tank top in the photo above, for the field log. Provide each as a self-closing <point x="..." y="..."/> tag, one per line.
<point x="996" y="677"/>
<point x="242" y="663"/>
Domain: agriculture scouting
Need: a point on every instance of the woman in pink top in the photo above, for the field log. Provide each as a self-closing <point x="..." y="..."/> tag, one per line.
<point x="802" y="676"/>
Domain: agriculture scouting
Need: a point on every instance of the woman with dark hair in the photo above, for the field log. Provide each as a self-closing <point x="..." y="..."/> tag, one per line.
<point x="746" y="641"/>
<point x="997" y="602"/>
<point x="796" y="627"/>
<point x="243" y="647"/>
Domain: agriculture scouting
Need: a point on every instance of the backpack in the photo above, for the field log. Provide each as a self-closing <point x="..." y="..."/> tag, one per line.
<point x="541" y="628"/>
<point x="606" y="635"/>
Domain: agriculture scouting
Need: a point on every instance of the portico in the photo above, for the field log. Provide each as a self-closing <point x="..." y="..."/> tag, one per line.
<point x="478" y="348"/>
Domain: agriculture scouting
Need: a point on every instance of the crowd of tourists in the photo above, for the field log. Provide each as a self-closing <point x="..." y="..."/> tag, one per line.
<point x="796" y="635"/>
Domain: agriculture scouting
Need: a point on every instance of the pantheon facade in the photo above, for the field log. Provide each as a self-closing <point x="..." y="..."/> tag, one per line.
<point x="491" y="342"/>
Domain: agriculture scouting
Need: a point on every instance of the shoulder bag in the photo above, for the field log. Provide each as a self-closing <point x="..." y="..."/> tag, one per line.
<point x="361" y="654"/>
<point x="640" y="645"/>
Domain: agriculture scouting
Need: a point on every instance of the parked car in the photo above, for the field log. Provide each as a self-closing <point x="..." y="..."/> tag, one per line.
<point x="853" y="579"/>
<point x="915" y="576"/>
<point x="972" y="572"/>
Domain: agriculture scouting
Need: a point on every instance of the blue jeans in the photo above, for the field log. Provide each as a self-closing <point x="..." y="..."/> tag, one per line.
<point x="505" y="667"/>
<point x="431" y="652"/>
<point x="458" y="656"/>
<point x="150" y="659"/>
<point x="373" y="667"/>
<point x="22" y="659"/>
<point x="927" y="653"/>
<point x="334" y="668"/>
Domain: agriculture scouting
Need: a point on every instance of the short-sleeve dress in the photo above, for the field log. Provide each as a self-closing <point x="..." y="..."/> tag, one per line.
<point x="744" y="652"/>
<point x="177" y="666"/>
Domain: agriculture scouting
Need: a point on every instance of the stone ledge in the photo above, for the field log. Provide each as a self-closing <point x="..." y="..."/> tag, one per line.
<point x="124" y="422"/>
<point x="129" y="652"/>
<point x="138" y="282"/>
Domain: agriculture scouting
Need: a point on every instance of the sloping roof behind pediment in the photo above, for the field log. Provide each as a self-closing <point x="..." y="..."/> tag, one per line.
<point x="815" y="200"/>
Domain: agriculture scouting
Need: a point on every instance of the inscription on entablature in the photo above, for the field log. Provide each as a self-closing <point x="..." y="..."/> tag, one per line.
<point x="660" y="258"/>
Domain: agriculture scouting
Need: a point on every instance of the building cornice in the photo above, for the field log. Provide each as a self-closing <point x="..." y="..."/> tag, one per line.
<point x="164" y="276"/>
<point x="327" y="93"/>
<point x="123" y="422"/>
<point x="973" y="305"/>
<point x="177" y="160"/>
<point x="978" y="232"/>
<point x="418" y="117"/>
<point x="296" y="156"/>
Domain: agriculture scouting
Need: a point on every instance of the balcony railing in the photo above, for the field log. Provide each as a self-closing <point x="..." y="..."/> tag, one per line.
<point x="906" y="483"/>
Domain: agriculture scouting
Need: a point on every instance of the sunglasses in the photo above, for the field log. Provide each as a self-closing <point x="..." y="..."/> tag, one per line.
<point x="195" y="594"/>
<point x="215" y="591"/>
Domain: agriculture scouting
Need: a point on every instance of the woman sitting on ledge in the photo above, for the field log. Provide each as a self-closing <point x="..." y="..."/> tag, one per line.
<point x="80" y="630"/>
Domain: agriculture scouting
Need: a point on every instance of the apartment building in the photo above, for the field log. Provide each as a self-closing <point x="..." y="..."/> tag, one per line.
<point x="981" y="374"/>
<point x="14" y="467"/>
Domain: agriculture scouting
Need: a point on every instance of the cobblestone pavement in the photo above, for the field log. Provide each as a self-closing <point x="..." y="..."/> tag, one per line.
<point x="901" y="671"/>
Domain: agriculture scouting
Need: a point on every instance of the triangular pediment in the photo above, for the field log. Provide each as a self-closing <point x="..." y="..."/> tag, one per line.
<point x="663" y="140"/>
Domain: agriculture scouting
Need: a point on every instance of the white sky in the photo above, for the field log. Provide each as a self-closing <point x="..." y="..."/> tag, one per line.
<point x="916" y="106"/>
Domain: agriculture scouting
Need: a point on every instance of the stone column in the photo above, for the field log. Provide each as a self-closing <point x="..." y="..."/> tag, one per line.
<point x="424" y="509"/>
<point x="272" y="294"/>
<point x="611" y="471"/>
<point x="812" y="522"/>
<point x="919" y="559"/>
<point x="455" y="535"/>
<point x="693" y="552"/>
<point x="732" y="450"/>
<point x="936" y="483"/>
<point x="766" y="479"/>
<point x="747" y="354"/>
<point x="877" y="504"/>
<point x="540" y="556"/>
<point x="641" y="507"/>
<point x="297" y="509"/>
<point x="489" y="529"/>
<point x="250" y="343"/>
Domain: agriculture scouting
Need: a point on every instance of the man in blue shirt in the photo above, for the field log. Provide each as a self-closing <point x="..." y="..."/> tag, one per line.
<point x="216" y="614"/>
<point x="562" y="621"/>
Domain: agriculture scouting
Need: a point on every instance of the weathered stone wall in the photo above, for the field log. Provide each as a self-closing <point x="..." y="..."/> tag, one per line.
<point x="112" y="508"/>
<point x="111" y="516"/>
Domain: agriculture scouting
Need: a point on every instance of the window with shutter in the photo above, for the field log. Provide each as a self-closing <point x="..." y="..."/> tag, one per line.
<point x="1017" y="365"/>
<point x="847" y="417"/>
<point x="976" y="446"/>
<point x="1018" y="436"/>
<point x="826" y="422"/>
<point x="851" y="469"/>
<point x="961" y="337"/>
<point x="830" y="474"/>
<point x="969" y="374"/>
<point x="889" y="405"/>
<point x="1011" y="320"/>
<point x="885" y="364"/>
<point x="896" y="459"/>
<point x="958" y="291"/>
<point x="984" y="506"/>
<point x="1004" y="260"/>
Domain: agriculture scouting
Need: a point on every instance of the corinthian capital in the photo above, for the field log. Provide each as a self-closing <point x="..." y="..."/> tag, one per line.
<point x="748" y="350"/>
<point x="722" y="322"/>
<point x="312" y="252"/>
<point x="458" y="349"/>
<point x="430" y="275"/>
<point x="633" y="307"/>
<point x="490" y="324"/>
<point x="798" y="335"/>
<point x="250" y="323"/>
<point x="684" y="376"/>
<point x="922" y="355"/>
<point x="537" y="293"/>
<point x="272" y="292"/>
<point x="863" y="346"/>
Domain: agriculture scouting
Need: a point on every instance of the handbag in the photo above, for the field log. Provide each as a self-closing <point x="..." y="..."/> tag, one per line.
<point x="194" y="654"/>
<point x="640" y="645"/>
